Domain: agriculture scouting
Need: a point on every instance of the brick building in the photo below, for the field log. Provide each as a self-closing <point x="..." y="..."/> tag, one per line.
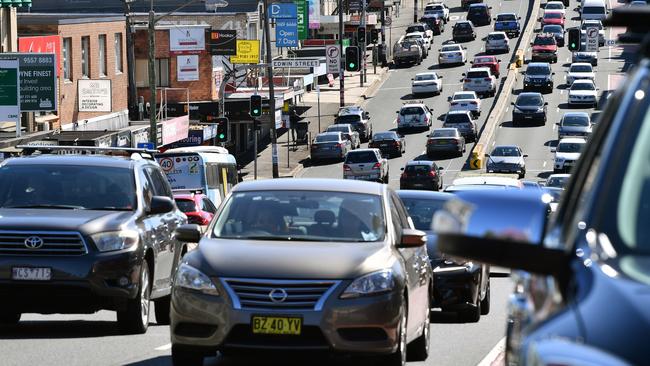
<point x="92" y="49"/>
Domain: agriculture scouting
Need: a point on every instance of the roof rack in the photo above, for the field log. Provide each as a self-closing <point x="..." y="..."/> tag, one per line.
<point x="131" y="152"/>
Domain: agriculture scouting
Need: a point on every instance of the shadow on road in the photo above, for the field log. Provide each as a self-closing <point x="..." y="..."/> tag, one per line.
<point x="60" y="329"/>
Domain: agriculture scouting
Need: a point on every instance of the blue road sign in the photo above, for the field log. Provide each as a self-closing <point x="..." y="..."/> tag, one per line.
<point x="283" y="11"/>
<point x="146" y="145"/>
<point x="286" y="33"/>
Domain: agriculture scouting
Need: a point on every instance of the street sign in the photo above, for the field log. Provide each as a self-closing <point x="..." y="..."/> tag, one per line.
<point x="611" y="42"/>
<point x="592" y="39"/>
<point x="333" y="59"/>
<point x="248" y="52"/>
<point x="223" y="42"/>
<point x="10" y="93"/>
<point x="296" y="63"/>
<point x="37" y="80"/>
<point x="146" y="145"/>
<point x="388" y="21"/>
<point x="303" y="18"/>
<point x="354" y="5"/>
<point x="286" y="33"/>
<point x="283" y="11"/>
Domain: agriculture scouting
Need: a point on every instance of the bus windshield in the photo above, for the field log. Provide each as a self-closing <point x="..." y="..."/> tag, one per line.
<point x="184" y="171"/>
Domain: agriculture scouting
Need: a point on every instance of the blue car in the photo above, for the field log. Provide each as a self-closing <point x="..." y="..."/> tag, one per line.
<point x="508" y="23"/>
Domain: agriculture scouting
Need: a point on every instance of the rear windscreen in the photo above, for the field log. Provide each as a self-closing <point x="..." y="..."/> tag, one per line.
<point x="360" y="157"/>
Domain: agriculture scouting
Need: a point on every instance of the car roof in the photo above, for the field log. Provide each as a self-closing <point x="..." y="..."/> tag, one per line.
<point x="561" y="175"/>
<point x="581" y="114"/>
<point x="311" y="184"/>
<point x="421" y="34"/>
<point x="507" y="14"/>
<point x="479" y="69"/>
<point x="555" y="2"/>
<point x="458" y="112"/>
<point x="573" y="140"/>
<point x="464" y="22"/>
<point x="583" y="81"/>
<point x="507" y="146"/>
<point x="419" y="162"/>
<point x="420" y="194"/>
<point x="329" y="133"/>
<point x="553" y="12"/>
<point x="75" y="159"/>
<point x="478" y="5"/>
<point x="445" y="129"/>
<point x="537" y="94"/>
<point x="466" y="92"/>
<point x="580" y="64"/>
<point x="412" y="105"/>
<point x="498" y="32"/>
<point x="426" y="73"/>
<point x="492" y="57"/>
<point x="487" y="180"/>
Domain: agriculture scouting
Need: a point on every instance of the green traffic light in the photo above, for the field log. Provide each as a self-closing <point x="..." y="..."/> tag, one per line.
<point x="352" y="65"/>
<point x="221" y="136"/>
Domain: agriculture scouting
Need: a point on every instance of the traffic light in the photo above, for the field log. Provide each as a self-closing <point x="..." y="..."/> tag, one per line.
<point x="352" y="58"/>
<point x="256" y="106"/>
<point x="222" y="129"/>
<point x="361" y="35"/>
<point x="574" y="39"/>
<point x="374" y="35"/>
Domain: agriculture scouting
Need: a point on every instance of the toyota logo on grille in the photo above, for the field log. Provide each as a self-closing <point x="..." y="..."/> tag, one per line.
<point x="33" y="242"/>
<point x="278" y="295"/>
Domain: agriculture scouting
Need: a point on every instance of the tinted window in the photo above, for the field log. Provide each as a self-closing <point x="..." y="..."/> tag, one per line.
<point x="477" y="74"/>
<point x="422" y="210"/>
<point x="160" y="184"/>
<point x="575" y="121"/>
<point x="582" y="86"/>
<point x="538" y="70"/>
<point x="457" y="118"/>
<point x="417" y="169"/>
<point x="185" y="205"/>
<point x="355" y="157"/>
<point x="350" y="118"/>
<point x="464" y="26"/>
<point x="484" y="60"/>
<point x="477" y="10"/>
<point x="496" y="37"/>
<point x="569" y="147"/>
<point x="464" y="96"/>
<point x="450" y="48"/>
<point x="415" y="28"/>
<point x="385" y="136"/>
<point x="339" y="127"/>
<point x="552" y="29"/>
<point x="593" y="10"/>
<point x="529" y="100"/>
<point x="506" y="17"/>
<point x="411" y="110"/>
<point x="553" y="16"/>
<point x="505" y="151"/>
<point x="425" y="77"/>
<point x="581" y="68"/>
<point x="444" y="133"/>
<point x="544" y="41"/>
<point x="327" y="138"/>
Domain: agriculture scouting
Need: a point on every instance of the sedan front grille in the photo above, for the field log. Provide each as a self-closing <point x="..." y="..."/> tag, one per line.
<point x="42" y="243"/>
<point x="261" y="294"/>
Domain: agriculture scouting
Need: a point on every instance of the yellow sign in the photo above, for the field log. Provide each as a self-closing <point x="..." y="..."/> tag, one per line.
<point x="248" y="52"/>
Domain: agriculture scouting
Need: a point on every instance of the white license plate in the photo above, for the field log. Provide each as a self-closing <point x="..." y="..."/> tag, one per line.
<point x="384" y="145"/>
<point x="31" y="274"/>
<point x="528" y="117"/>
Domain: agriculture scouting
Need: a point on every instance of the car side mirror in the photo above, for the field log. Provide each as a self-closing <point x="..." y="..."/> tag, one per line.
<point x="471" y="62"/>
<point x="441" y="168"/>
<point x="512" y="103"/>
<point x="483" y="39"/>
<point x="545" y="103"/>
<point x="161" y="205"/>
<point x="499" y="60"/>
<point x="402" y="169"/>
<point x="518" y="18"/>
<point x="464" y="47"/>
<point x="487" y="155"/>
<point x="189" y="233"/>
<point x="553" y="73"/>
<point x="412" y="239"/>
<point x="440" y="76"/>
<point x="557" y="123"/>
<point x="463" y="74"/>
<point x="449" y="99"/>
<point x="412" y="79"/>
<point x="396" y="111"/>
<point x="525" y="155"/>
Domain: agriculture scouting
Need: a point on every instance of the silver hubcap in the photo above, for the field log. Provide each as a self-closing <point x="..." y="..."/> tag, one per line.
<point x="144" y="296"/>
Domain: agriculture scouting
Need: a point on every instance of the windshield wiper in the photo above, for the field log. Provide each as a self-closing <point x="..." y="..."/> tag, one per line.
<point x="67" y="207"/>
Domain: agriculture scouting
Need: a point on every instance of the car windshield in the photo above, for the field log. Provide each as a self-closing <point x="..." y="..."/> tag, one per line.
<point x="569" y="147"/>
<point x="444" y="133"/>
<point x="422" y="210"/>
<point x="450" y="48"/>
<point x="424" y="77"/>
<point x="529" y="100"/>
<point x="415" y="28"/>
<point x="384" y="136"/>
<point x="67" y="186"/>
<point x="496" y="36"/>
<point x="538" y="70"/>
<point x="505" y="151"/>
<point x="457" y="118"/>
<point x="582" y="86"/>
<point x="552" y="15"/>
<point x="419" y="169"/>
<point x="550" y="6"/>
<point x="476" y="10"/>
<point x="302" y="215"/>
<point x="185" y="205"/>
<point x="327" y="138"/>
<point x="411" y="110"/>
<point x="581" y="68"/>
<point x="593" y="10"/>
<point x="586" y="25"/>
<point x="544" y="41"/>
<point x="506" y="17"/>
<point x="350" y="118"/>
<point x="552" y="29"/>
<point x="339" y="128"/>
<point x="464" y="26"/>
<point x="575" y="121"/>
<point x="464" y="96"/>
<point x="356" y="157"/>
<point x="558" y="182"/>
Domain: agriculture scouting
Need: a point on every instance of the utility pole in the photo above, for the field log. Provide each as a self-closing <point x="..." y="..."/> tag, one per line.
<point x="362" y="45"/>
<point x="269" y="71"/>
<point x="130" y="61"/>
<point x="342" y="63"/>
<point x="153" y="128"/>
<point x="415" y="11"/>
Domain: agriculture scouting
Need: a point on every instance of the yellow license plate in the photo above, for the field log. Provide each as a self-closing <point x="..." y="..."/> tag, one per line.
<point x="276" y="325"/>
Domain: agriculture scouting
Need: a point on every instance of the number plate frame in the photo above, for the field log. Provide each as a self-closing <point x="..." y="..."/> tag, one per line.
<point x="261" y="327"/>
<point x="31" y="273"/>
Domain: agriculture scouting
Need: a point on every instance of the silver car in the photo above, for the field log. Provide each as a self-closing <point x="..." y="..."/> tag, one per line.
<point x="366" y="164"/>
<point x="304" y="265"/>
<point x="506" y="159"/>
<point x="574" y="124"/>
<point x="348" y="132"/>
<point x="330" y="145"/>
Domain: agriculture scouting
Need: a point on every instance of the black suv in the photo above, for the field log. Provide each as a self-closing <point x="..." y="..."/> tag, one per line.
<point x="539" y="76"/>
<point x="83" y="233"/>
<point x="463" y="31"/>
<point x="479" y="14"/>
<point x="529" y="107"/>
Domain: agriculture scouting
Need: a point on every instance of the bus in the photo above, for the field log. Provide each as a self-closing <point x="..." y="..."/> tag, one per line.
<point x="211" y="170"/>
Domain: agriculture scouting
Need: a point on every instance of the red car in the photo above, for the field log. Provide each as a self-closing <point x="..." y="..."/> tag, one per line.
<point x="544" y="48"/>
<point x="198" y="208"/>
<point x="487" y="61"/>
<point x="553" y="17"/>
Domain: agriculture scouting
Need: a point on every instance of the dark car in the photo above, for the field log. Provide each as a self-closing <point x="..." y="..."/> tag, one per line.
<point x="479" y="14"/>
<point x="448" y="140"/>
<point x="435" y="23"/>
<point x="389" y="142"/>
<point x="463" y="31"/>
<point x="81" y="233"/>
<point x="466" y="3"/>
<point x="529" y="106"/>
<point x="508" y="23"/>
<point x="557" y="31"/>
<point x="539" y="76"/>
<point x="459" y="285"/>
<point x="421" y="174"/>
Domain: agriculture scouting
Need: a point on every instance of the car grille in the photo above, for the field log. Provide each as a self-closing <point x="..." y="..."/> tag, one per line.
<point x="51" y="243"/>
<point x="504" y="166"/>
<point x="256" y="294"/>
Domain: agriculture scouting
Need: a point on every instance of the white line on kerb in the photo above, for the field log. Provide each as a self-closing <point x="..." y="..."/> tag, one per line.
<point x="494" y="353"/>
<point x="164" y="348"/>
<point x="544" y="165"/>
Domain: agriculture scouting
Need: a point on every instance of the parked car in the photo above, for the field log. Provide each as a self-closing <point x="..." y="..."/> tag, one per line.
<point x="497" y="41"/>
<point x="421" y="27"/>
<point x="507" y="159"/>
<point x="465" y="101"/>
<point x="82" y="232"/>
<point x="358" y="117"/>
<point x="463" y="122"/>
<point x="348" y="132"/>
<point x="452" y="54"/>
<point x="580" y="71"/>
<point x="552" y="17"/>
<point x="426" y="83"/>
<point x="589" y="24"/>
<point x="421" y="174"/>
<point x="445" y="140"/>
<point x="479" y="14"/>
<point x="574" y="124"/>
<point x="544" y="48"/>
<point x="463" y="31"/>
<point x="509" y="23"/>
<point x="557" y="31"/>
<point x="330" y="145"/>
<point x="583" y="92"/>
<point x="414" y="115"/>
<point x="407" y="52"/>
<point x="390" y="143"/>
<point x="539" y="76"/>
<point x="567" y="153"/>
<point x="529" y="106"/>
<point x="196" y="206"/>
<point x="488" y="61"/>
<point x="438" y="8"/>
<point x="366" y="164"/>
<point x="481" y="81"/>
<point x="295" y="252"/>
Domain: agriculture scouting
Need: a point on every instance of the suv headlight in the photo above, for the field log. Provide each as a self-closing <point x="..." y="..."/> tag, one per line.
<point x="115" y="240"/>
<point x="371" y="284"/>
<point x="191" y="278"/>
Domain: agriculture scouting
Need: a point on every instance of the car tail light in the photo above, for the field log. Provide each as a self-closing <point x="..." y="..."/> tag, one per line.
<point x="346" y="167"/>
<point x="455" y="142"/>
<point x="376" y="166"/>
<point x="468" y="80"/>
<point x="474" y="103"/>
<point x="487" y="79"/>
<point x="432" y="174"/>
<point x="454" y="103"/>
<point x="426" y="119"/>
<point x="396" y="143"/>
<point x="404" y="175"/>
<point x="339" y="145"/>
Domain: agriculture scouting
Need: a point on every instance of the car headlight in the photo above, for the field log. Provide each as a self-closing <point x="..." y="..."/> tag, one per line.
<point x="371" y="284"/>
<point x="540" y="109"/>
<point x="115" y="240"/>
<point x="191" y="278"/>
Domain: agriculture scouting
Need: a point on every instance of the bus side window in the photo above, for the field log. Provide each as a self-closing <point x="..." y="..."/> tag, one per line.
<point x="232" y="176"/>
<point x="212" y="175"/>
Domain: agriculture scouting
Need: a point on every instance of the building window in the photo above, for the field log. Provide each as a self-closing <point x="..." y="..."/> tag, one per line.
<point x="118" y="52"/>
<point x="102" y="55"/>
<point x="85" y="57"/>
<point x="67" y="59"/>
<point x="142" y="72"/>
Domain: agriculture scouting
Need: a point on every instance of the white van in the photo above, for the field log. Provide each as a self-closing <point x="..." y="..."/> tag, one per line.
<point x="593" y="10"/>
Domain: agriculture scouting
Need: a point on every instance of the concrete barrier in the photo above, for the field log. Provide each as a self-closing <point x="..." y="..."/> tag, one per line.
<point x="477" y="157"/>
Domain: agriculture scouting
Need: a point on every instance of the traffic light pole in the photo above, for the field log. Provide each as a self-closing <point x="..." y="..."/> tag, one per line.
<point x="342" y="63"/>
<point x="269" y="70"/>
<point x="415" y="11"/>
<point x="362" y="44"/>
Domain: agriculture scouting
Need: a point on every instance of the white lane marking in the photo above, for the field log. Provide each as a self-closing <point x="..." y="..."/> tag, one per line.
<point x="544" y="165"/>
<point x="164" y="348"/>
<point x="493" y="142"/>
<point x="557" y="109"/>
<point x="568" y="58"/>
<point x="494" y="353"/>
<point x="554" y="125"/>
<point x="561" y="92"/>
<point x="454" y="17"/>
<point x="507" y="108"/>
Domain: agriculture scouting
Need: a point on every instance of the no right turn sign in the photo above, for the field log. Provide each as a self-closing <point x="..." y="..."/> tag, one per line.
<point x="333" y="59"/>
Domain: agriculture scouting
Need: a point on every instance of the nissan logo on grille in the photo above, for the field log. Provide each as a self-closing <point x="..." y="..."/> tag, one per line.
<point x="278" y="295"/>
<point x="34" y="242"/>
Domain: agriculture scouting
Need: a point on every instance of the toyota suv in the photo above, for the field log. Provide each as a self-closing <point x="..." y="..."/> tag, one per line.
<point x="539" y="76"/>
<point x="358" y="118"/>
<point x="83" y="233"/>
<point x="544" y="48"/>
<point x="480" y="80"/>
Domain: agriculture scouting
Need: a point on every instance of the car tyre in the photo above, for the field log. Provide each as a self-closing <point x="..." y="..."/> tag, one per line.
<point x="386" y="179"/>
<point x="398" y="358"/>
<point x="184" y="357"/>
<point x="485" y="303"/>
<point x="9" y="317"/>
<point x="135" y="319"/>
<point x="522" y="174"/>
<point x="161" y="308"/>
<point x="472" y="314"/>
<point x="418" y="350"/>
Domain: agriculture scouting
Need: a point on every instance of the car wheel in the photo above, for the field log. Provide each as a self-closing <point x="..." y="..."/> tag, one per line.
<point x="184" y="357"/>
<point x="386" y="179"/>
<point x="522" y="174"/>
<point x="485" y="303"/>
<point x="399" y="357"/>
<point x="418" y="350"/>
<point x="472" y="314"/>
<point x="161" y="308"/>
<point x="135" y="319"/>
<point x="596" y="105"/>
<point x="9" y="317"/>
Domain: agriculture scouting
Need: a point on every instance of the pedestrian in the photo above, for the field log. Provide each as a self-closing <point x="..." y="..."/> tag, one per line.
<point x="293" y="123"/>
